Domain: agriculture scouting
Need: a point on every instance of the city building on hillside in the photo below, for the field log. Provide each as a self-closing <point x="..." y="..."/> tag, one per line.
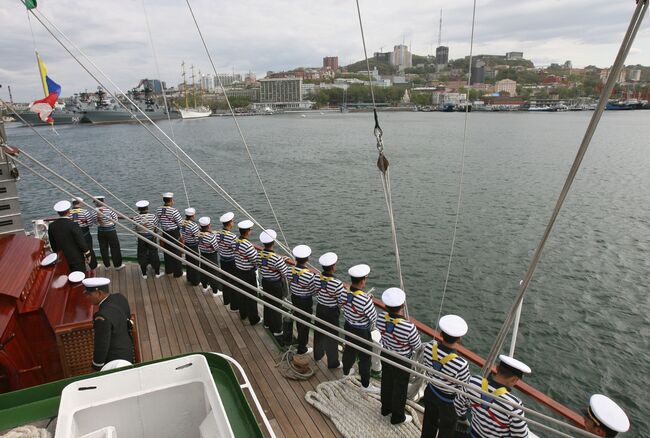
<point x="331" y="62"/>
<point x="511" y="56"/>
<point x="635" y="75"/>
<point x="383" y="57"/>
<point x="478" y="72"/>
<point x="250" y="78"/>
<point x="206" y="82"/>
<point x="506" y="85"/>
<point x="604" y="75"/>
<point x="281" y="93"/>
<point x="253" y="94"/>
<point x="401" y="57"/>
<point x="154" y="85"/>
<point x="442" y="55"/>
<point x="226" y="79"/>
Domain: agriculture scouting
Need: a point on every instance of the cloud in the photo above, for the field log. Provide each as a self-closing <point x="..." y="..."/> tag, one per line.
<point x="260" y="35"/>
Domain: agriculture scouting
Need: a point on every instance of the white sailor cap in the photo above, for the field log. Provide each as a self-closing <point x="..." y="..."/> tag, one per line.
<point x="190" y="211"/>
<point x="393" y="297"/>
<point x="227" y="217"/>
<point x="605" y="411"/>
<point x="204" y="221"/>
<point x="515" y="365"/>
<point x="245" y="224"/>
<point x="453" y="325"/>
<point x="62" y="206"/>
<point x="268" y="236"/>
<point x="142" y="204"/>
<point x="96" y="283"/>
<point x="100" y="197"/>
<point x="359" y="271"/>
<point x="76" y="277"/>
<point x="328" y="259"/>
<point x="77" y="199"/>
<point x="301" y="252"/>
<point x="168" y="195"/>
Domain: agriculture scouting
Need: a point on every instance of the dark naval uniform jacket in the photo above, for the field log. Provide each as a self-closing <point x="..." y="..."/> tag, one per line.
<point x="65" y="235"/>
<point x="112" y="331"/>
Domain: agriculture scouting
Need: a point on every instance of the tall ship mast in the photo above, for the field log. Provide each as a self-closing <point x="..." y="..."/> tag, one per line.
<point x="195" y="112"/>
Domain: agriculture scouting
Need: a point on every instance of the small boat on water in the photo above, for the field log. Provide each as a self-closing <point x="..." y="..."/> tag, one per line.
<point x="195" y="113"/>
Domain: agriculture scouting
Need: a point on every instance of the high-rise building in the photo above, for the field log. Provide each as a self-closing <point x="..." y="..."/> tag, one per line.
<point x="226" y="79"/>
<point x="383" y="57"/>
<point x="635" y="75"/>
<point x="331" y="62"/>
<point x="401" y="57"/>
<point x="478" y="72"/>
<point x="442" y="55"/>
<point x="206" y="82"/>
<point x="281" y="90"/>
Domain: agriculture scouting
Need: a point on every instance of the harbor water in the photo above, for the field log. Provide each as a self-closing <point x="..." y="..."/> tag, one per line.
<point x="585" y="326"/>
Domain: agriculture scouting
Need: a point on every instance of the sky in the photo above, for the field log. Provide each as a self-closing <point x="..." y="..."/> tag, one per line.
<point x="259" y="36"/>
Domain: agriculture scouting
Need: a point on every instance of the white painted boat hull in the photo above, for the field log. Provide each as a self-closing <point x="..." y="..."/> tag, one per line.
<point x="194" y="113"/>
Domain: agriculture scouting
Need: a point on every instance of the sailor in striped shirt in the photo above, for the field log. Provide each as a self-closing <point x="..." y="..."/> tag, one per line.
<point x="328" y="292"/>
<point x="147" y="227"/>
<point x="190" y="237"/>
<point x="246" y="262"/>
<point x="486" y="421"/>
<point x="85" y="219"/>
<point x="400" y="336"/>
<point x="208" y="249"/>
<point x="107" y="235"/>
<point x="360" y="315"/>
<point x="170" y="222"/>
<point x="273" y="270"/>
<point x="226" y="240"/>
<point x="302" y="285"/>
<point x="439" y="413"/>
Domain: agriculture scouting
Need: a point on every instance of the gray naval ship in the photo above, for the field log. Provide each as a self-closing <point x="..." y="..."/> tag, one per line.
<point x="97" y="108"/>
<point x="108" y="110"/>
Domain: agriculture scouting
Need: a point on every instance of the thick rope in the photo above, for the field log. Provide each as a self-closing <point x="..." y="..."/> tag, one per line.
<point x="626" y="45"/>
<point x="382" y="164"/>
<point x="221" y="274"/>
<point x="234" y="118"/>
<point x="336" y="398"/>
<point x="462" y="168"/>
<point x="210" y="181"/>
<point x="164" y="93"/>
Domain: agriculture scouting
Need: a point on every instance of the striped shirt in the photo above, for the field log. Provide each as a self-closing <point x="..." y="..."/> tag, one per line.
<point x="329" y="290"/>
<point x="106" y="219"/>
<point x="246" y="256"/>
<point x="190" y="232"/>
<point x="398" y="334"/>
<point x="207" y="242"/>
<point x="169" y="217"/>
<point x="147" y="224"/>
<point x="488" y="422"/>
<point x="84" y="218"/>
<point x="272" y="266"/>
<point x="226" y="244"/>
<point x="358" y="309"/>
<point x="302" y="282"/>
<point x="455" y="367"/>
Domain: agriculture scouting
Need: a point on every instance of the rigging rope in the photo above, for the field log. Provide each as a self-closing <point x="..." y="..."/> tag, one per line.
<point x="234" y="118"/>
<point x="635" y="24"/>
<point x="210" y="181"/>
<point x="462" y="168"/>
<point x="164" y="93"/>
<point x="219" y="277"/>
<point x="382" y="164"/>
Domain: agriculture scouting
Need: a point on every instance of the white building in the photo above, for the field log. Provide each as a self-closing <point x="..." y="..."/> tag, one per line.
<point x="226" y="79"/>
<point x="206" y="82"/>
<point x="635" y="75"/>
<point x="401" y="57"/>
<point x="282" y="93"/>
<point x="507" y="85"/>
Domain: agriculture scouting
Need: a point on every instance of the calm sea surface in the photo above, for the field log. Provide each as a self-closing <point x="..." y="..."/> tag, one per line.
<point x="586" y="319"/>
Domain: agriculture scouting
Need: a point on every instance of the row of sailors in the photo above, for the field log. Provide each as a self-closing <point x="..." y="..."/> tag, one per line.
<point x="443" y="408"/>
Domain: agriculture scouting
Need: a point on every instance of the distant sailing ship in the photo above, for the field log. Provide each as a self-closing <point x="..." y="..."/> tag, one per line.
<point x="195" y="112"/>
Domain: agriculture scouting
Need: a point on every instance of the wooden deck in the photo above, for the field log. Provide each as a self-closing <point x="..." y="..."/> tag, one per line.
<point x="174" y="317"/>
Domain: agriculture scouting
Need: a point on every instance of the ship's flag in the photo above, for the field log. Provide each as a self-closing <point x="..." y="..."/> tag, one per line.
<point x="44" y="107"/>
<point x="31" y="4"/>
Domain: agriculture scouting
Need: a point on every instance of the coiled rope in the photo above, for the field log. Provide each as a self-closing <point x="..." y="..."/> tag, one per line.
<point x="357" y="414"/>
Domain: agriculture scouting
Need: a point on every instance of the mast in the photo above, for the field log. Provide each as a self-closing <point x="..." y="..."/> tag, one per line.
<point x="193" y="86"/>
<point x="184" y="82"/>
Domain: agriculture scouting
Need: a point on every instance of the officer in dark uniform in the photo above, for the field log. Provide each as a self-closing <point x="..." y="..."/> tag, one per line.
<point x="65" y="235"/>
<point x="111" y="323"/>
